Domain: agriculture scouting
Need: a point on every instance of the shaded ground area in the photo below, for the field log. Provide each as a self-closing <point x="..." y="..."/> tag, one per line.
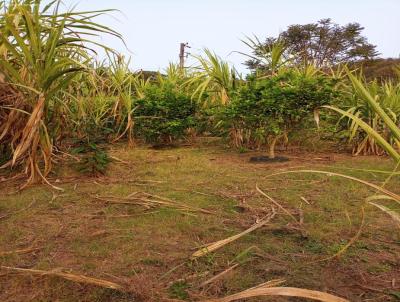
<point x="87" y="230"/>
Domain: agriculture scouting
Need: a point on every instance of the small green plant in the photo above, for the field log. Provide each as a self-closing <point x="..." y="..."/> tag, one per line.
<point x="178" y="290"/>
<point x="94" y="159"/>
<point x="242" y="149"/>
<point x="152" y="262"/>
<point x="314" y="246"/>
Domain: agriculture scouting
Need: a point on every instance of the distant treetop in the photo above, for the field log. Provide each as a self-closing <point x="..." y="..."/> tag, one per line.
<point x="323" y="44"/>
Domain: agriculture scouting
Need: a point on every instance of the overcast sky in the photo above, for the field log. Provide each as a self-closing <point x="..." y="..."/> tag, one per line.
<point x="153" y="29"/>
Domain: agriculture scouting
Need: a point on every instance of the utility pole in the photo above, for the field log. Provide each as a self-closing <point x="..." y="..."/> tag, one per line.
<point x="182" y="55"/>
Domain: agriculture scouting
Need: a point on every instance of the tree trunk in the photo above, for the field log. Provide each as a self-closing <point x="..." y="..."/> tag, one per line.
<point x="272" y="147"/>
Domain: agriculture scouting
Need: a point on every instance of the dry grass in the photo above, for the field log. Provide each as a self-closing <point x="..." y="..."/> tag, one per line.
<point x="150" y="254"/>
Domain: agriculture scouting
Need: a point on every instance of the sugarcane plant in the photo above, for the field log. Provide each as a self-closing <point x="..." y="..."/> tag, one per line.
<point x="42" y="50"/>
<point x="267" y="59"/>
<point x="121" y="91"/>
<point x="376" y="115"/>
<point x="213" y="77"/>
<point x="388" y="142"/>
<point x="386" y="95"/>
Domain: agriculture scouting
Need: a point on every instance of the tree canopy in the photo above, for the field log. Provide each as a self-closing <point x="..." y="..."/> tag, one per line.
<point x="323" y="44"/>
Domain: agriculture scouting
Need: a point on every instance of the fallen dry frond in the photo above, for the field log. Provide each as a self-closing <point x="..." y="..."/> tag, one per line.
<point x="277" y="204"/>
<point x="71" y="277"/>
<point x="266" y="290"/>
<point x="216" y="245"/>
<point x="20" y="252"/>
<point x="395" y="216"/>
<point x="350" y="243"/>
<point x="299" y="222"/>
<point x="219" y="276"/>
<point x="149" y="201"/>
<point x="123" y="215"/>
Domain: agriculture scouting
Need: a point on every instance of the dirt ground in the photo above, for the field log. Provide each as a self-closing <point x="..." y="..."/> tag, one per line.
<point x="139" y="225"/>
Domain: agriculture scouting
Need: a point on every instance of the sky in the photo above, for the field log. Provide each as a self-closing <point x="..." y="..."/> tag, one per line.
<point x="153" y="29"/>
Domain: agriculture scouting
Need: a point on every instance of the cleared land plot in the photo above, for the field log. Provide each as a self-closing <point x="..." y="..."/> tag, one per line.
<point x="139" y="225"/>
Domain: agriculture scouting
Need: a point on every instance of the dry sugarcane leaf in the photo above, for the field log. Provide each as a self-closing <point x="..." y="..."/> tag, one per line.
<point x="219" y="275"/>
<point x="216" y="245"/>
<point x="277" y="204"/>
<point x="19" y="252"/>
<point x="395" y="216"/>
<point x="281" y="291"/>
<point x="68" y="276"/>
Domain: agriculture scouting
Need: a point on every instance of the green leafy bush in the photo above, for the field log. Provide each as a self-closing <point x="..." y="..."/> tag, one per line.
<point x="164" y="114"/>
<point x="94" y="160"/>
<point x="268" y="109"/>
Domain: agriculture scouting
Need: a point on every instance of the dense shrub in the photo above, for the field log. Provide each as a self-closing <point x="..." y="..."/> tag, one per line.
<point x="267" y="109"/>
<point x="164" y="114"/>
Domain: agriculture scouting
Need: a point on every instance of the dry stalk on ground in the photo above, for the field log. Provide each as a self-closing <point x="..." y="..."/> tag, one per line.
<point x="266" y="290"/>
<point x="217" y="245"/>
<point x="149" y="201"/>
<point x="72" y="277"/>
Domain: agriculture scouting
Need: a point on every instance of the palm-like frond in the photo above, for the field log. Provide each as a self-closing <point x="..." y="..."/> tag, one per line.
<point x="378" y="106"/>
<point x="272" y="57"/>
<point x="214" y="76"/>
<point x="42" y="51"/>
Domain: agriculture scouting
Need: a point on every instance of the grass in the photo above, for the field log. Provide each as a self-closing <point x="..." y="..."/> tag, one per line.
<point x="149" y="253"/>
